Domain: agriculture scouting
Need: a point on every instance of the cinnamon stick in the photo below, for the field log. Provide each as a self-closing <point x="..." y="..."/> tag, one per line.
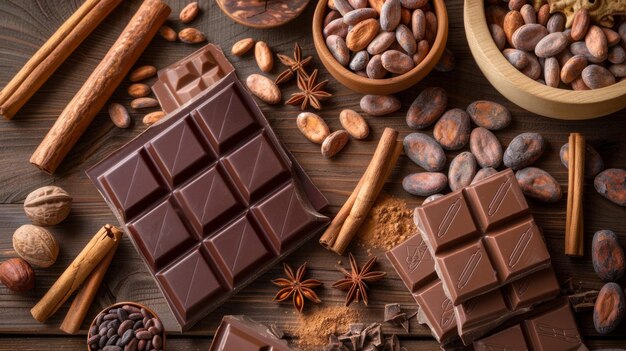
<point x="574" y="218"/>
<point x="100" y="85"/>
<point x="99" y="246"/>
<point x="327" y="240"/>
<point x="369" y="190"/>
<point x="52" y="54"/>
<point x="82" y="301"/>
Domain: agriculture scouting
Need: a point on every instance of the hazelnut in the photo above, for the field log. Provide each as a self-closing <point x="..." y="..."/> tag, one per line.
<point x="17" y="275"/>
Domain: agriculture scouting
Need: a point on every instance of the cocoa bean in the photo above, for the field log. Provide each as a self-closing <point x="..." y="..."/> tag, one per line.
<point x="405" y="38"/>
<point x="573" y="68"/>
<point x="524" y="150"/>
<point x="358" y="4"/>
<point x="168" y="33"/>
<point x="425" y="183"/>
<point x="462" y="170"/>
<point x="362" y="34"/>
<point x="424" y="151"/>
<point x="334" y="143"/>
<point x="618" y="71"/>
<point x="596" y="77"/>
<point x="413" y="4"/>
<point x="138" y="90"/>
<point x="452" y="130"/>
<point x="596" y="43"/>
<point x="358" y="15"/>
<point x="337" y="47"/>
<point x="263" y="88"/>
<point x="564" y="56"/>
<point x="432" y="198"/>
<point x="517" y="58"/>
<point x="189" y="12"/>
<point x="489" y="114"/>
<point x="516" y="5"/>
<point x="390" y="15"/>
<point x="429" y="105"/>
<point x="611" y="184"/>
<point x="543" y="14"/>
<point x="556" y="23"/>
<point x="423" y="48"/>
<point x="608" y="311"/>
<point x="359" y="60"/>
<point x="580" y="24"/>
<point x="593" y="161"/>
<point x="343" y="6"/>
<point x="331" y="16"/>
<point x="242" y="47"/>
<point x="397" y="62"/>
<point x="381" y="43"/>
<point x="483" y="173"/>
<point x="379" y="105"/>
<point x="551" y="45"/>
<point x="141" y="73"/>
<point x="144" y="102"/>
<point x="552" y="72"/>
<point x="612" y="37"/>
<point x="418" y="24"/>
<point x="354" y="124"/>
<point x="375" y="69"/>
<point x="527" y="36"/>
<point x="446" y="62"/>
<point x="485" y="147"/>
<point x="528" y="13"/>
<point x="580" y="48"/>
<point x="153" y="117"/>
<point x="119" y="115"/>
<point x="312" y="127"/>
<point x="431" y="27"/>
<point x="498" y="36"/>
<point x="495" y="15"/>
<point x="533" y="70"/>
<point x="539" y="184"/>
<point x="405" y="16"/>
<point x="336" y="27"/>
<point x="191" y="36"/>
<point x="607" y="256"/>
<point x="263" y="56"/>
<point x="112" y="332"/>
<point x="578" y="84"/>
<point x="617" y="55"/>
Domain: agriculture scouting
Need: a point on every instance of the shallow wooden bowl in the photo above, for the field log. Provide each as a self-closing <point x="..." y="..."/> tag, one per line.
<point x="380" y="86"/>
<point x="120" y="304"/>
<point x="527" y="93"/>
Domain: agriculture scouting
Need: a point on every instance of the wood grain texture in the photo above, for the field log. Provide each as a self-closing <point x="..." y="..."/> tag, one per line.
<point x="25" y="25"/>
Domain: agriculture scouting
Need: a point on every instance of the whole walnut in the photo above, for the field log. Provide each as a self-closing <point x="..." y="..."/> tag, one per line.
<point x="48" y="205"/>
<point x="36" y="245"/>
<point x="17" y="275"/>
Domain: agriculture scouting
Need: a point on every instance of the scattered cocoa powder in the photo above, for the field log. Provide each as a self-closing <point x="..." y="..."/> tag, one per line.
<point x="389" y="223"/>
<point x="312" y="329"/>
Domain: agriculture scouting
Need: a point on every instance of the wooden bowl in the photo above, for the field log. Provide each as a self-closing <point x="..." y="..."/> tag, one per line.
<point x="380" y="86"/>
<point x="527" y="93"/>
<point x="120" y="304"/>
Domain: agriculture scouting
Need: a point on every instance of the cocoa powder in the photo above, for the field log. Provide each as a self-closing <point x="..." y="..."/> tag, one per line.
<point x="312" y="329"/>
<point x="390" y="222"/>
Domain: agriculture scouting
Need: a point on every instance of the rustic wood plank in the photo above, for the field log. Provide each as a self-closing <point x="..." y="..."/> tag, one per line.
<point x="25" y="25"/>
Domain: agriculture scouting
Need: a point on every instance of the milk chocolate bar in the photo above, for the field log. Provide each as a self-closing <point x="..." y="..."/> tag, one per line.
<point x="242" y="333"/>
<point x="183" y="80"/>
<point x="553" y="330"/>
<point x="482" y="237"/>
<point x="209" y="198"/>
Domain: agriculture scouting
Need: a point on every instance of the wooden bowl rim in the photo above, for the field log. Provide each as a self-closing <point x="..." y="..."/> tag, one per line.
<point x="119" y="304"/>
<point x="442" y="24"/>
<point x="503" y="67"/>
<point x="258" y="26"/>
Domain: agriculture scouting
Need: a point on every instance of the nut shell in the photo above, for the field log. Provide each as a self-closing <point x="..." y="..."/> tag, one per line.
<point x="48" y="205"/>
<point x="35" y="245"/>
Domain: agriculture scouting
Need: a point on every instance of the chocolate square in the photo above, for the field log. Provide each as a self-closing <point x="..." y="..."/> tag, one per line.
<point x="480" y="309"/>
<point x="534" y="288"/>
<point x="510" y="339"/>
<point x="438" y="309"/>
<point x="554" y="330"/>
<point x="413" y="262"/>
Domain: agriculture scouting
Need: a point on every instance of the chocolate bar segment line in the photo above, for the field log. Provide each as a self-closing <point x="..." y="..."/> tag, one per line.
<point x="209" y="190"/>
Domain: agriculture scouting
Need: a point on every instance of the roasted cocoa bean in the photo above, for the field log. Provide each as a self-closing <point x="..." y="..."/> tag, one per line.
<point x="607" y="256"/>
<point x="418" y="24"/>
<point x="452" y="130"/>
<point x="397" y="62"/>
<point x="498" y="36"/>
<point x="462" y="170"/>
<point x="263" y="88"/>
<point x="375" y="69"/>
<point x="596" y="77"/>
<point x="551" y="72"/>
<point x="381" y="43"/>
<point x="580" y="24"/>
<point x="485" y="147"/>
<point x="337" y="47"/>
<point x="611" y="184"/>
<point x="312" y="127"/>
<point x="524" y="150"/>
<point x="424" y="151"/>
<point x="379" y="105"/>
<point x="359" y="60"/>
<point x="423" y="48"/>
<point x="608" y="311"/>
<point x="516" y="5"/>
<point x="617" y="55"/>
<point x="405" y="38"/>
<point x="489" y="114"/>
<point x="512" y="22"/>
<point x="593" y="161"/>
<point x="573" y="68"/>
<point x="483" y="173"/>
<point x="425" y="183"/>
<point x="556" y="23"/>
<point x="354" y="124"/>
<point x="336" y="27"/>
<point x="527" y="36"/>
<point x="334" y="143"/>
<point x="360" y="36"/>
<point x="533" y="70"/>
<point x="517" y="58"/>
<point x="432" y="198"/>
<point x="551" y="45"/>
<point x="390" y="15"/>
<point x="539" y="184"/>
<point x="242" y="47"/>
<point x="429" y="105"/>
<point x="596" y="43"/>
<point x="358" y="15"/>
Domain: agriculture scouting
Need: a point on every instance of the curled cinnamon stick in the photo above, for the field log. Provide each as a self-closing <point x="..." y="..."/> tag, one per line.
<point x="374" y="179"/>
<point x="52" y="54"/>
<point x="100" y="245"/>
<point x="100" y="85"/>
<point x="574" y="219"/>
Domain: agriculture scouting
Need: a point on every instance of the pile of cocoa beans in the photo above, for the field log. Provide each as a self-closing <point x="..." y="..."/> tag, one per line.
<point x="453" y="131"/>
<point x="536" y="42"/>
<point x="380" y="38"/>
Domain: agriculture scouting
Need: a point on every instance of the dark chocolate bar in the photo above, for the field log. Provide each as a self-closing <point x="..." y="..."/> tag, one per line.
<point x="209" y="198"/>
<point x="552" y="330"/>
<point x="183" y="80"/>
<point x="241" y="333"/>
<point x="482" y="237"/>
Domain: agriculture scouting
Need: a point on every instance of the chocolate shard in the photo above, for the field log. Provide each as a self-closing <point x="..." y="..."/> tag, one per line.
<point x="243" y="333"/>
<point x="392" y="310"/>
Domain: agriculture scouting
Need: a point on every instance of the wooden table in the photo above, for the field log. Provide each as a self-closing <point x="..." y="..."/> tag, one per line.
<point x="26" y="25"/>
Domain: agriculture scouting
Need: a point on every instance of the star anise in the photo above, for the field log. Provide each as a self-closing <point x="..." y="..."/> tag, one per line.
<point x="355" y="281"/>
<point x="294" y="65"/>
<point x="293" y="285"/>
<point x="310" y="92"/>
